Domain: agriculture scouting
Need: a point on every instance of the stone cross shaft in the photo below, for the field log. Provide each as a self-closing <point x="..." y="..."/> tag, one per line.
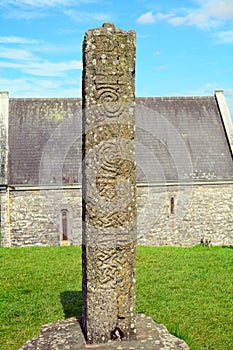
<point x="109" y="185"/>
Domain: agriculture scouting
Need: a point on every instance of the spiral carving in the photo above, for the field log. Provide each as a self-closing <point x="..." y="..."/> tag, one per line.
<point x="109" y="103"/>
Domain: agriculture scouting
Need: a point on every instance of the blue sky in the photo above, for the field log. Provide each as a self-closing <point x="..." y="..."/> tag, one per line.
<point x="184" y="48"/>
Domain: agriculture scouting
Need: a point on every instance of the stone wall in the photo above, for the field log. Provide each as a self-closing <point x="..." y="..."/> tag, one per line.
<point x="36" y="217"/>
<point x="199" y="211"/>
<point x="5" y="242"/>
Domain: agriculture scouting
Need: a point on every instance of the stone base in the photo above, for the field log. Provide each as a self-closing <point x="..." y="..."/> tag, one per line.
<point x="67" y="335"/>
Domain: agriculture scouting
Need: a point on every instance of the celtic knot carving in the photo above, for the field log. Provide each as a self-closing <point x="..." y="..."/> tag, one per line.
<point x="110" y="175"/>
<point x="113" y="219"/>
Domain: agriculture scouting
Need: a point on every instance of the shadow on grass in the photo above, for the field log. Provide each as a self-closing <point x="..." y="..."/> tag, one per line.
<point x="71" y="303"/>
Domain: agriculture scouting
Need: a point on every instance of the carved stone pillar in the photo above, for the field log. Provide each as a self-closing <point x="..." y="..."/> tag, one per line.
<point x="109" y="184"/>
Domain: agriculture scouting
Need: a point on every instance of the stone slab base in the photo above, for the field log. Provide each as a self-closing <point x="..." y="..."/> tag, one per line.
<point x="67" y="335"/>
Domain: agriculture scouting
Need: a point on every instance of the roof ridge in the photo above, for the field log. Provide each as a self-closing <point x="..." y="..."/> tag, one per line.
<point x="32" y="99"/>
<point x="176" y="97"/>
<point x="38" y="99"/>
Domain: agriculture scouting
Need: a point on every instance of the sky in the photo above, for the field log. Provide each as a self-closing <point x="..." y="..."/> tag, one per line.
<point x="184" y="47"/>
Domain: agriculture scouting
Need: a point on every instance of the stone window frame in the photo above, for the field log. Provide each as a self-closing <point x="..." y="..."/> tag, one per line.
<point x="64" y="224"/>
<point x="68" y="234"/>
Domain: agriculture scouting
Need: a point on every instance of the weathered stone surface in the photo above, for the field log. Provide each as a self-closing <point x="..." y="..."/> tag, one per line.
<point x="67" y="335"/>
<point x="109" y="184"/>
<point x="61" y="335"/>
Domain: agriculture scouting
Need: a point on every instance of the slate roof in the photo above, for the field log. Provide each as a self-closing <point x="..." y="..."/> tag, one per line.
<point x="39" y="137"/>
<point x="188" y="141"/>
<point x="178" y="139"/>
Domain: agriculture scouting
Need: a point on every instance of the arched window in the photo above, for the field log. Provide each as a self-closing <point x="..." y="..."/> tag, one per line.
<point x="64" y="220"/>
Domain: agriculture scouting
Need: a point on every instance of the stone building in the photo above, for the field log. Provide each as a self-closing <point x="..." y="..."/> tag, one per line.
<point x="184" y="171"/>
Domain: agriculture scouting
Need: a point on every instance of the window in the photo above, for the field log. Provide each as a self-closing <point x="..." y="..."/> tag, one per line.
<point x="172" y="205"/>
<point x="64" y="217"/>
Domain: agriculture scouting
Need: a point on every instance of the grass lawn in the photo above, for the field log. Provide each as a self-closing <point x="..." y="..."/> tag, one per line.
<point x="189" y="290"/>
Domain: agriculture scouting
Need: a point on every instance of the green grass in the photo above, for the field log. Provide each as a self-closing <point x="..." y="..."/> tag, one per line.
<point x="189" y="290"/>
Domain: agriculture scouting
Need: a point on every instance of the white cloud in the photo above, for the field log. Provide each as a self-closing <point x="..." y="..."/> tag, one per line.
<point x="220" y="9"/>
<point x="43" y="3"/>
<point x="14" y="54"/>
<point x="28" y="9"/>
<point x="15" y="85"/>
<point x="41" y="87"/>
<point x="36" y="46"/>
<point x="52" y="69"/>
<point x="176" y="21"/>
<point x="196" y="18"/>
<point x="146" y="18"/>
<point x="18" y="66"/>
<point x="209" y="14"/>
<point x="80" y="16"/>
<point x="45" y="68"/>
<point x="22" y="14"/>
<point x="224" y="37"/>
<point x="28" y="63"/>
<point x="17" y="40"/>
<point x="161" y="16"/>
